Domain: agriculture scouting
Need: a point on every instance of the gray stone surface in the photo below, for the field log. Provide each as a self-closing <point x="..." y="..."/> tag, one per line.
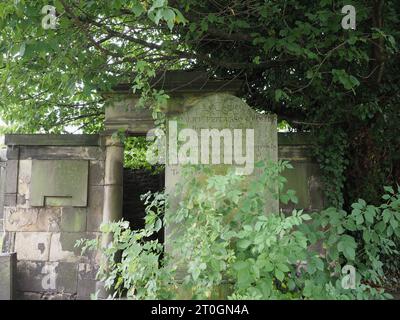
<point x="45" y="236"/>
<point x="224" y="111"/>
<point x="95" y="210"/>
<point x="59" y="183"/>
<point x="63" y="247"/>
<point x="221" y="111"/>
<point x="87" y="282"/>
<point x="12" y="153"/>
<point x="12" y="176"/>
<point x="30" y="276"/>
<point x="50" y="277"/>
<point x="73" y="219"/>
<point x="33" y="245"/>
<point x="10" y="199"/>
<point x="96" y="173"/>
<point x="7" y="276"/>
<point x="8" y="244"/>
<point x="57" y="153"/>
<point x="52" y="140"/>
<point x="67" y="277"/>
<point x="20" y="219"/>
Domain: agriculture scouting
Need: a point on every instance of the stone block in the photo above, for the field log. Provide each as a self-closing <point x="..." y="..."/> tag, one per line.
<point x="63" y="247"/>
<point x="86" y="288"/>
<point x="20" y="219"/>
<point x="8" y="243"/>
<point x="33" y="219"/>
<point x="12" y="153"/>
<point x="22" y="200"/>
<point x="223" y="113"/>
<point x="59" y="183"/>
<point x="87" y="282"/>
<point x="95" y="210"/>
<point x="24" y="178"/>
<point x="304" y="179"/>
<point x="31" y="276"/>
<point x="73" y="219"/>
<point x="11" y="176"/>
<point x="96" y="173"/>
<point x="61" y="152"/>
<point x="52" y="140"/>
<point x="49" y="219"/>
<point x="47" y="277"/>
<point x="33" y="245"/>
<point x="10" y="199"/>
<point x="7" y="276"/>
<point x="67" y="277"/>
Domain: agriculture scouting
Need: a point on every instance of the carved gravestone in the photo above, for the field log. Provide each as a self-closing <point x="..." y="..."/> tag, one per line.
<point x="222" y="112"/>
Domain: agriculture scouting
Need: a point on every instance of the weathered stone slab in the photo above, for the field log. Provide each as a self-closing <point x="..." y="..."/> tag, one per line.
<point x="96" y="173"/>
<point x="49" y="219"/>
<point x="87" y="283"/>
<point x="7" y="275"/>
<point x="32" y="219"/>
<point x="73" y="219"/>
<point x="57" y="153"/>
<point x="31" y="276"/>
<point x="305" y="179"/>
<point x="11" y="176"/>
<point x="24" y="178"/>
<point x="95" y="210"/>
<point x="124" y="114"/>
<point x="224" y="111"/>
<point x="50" y="277"/>
<point x="8" y="244"/>
<point x="33" y="245"/>
<point x="52" y="140"/>
<point x="231" y="115"/>
<point x="67" y="277"/>
<point x="10" y="199"/>
<point x="59" y="183"/>
<point x="12" y="153"/>
<point x="20" y="219"/>
<point x="63" y="247"/>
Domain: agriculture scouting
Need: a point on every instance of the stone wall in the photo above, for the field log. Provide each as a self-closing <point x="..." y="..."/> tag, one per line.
<point x="2" y="186"/>
<point x="305" y="177"/>
<point x="53" y="197"/>
<point x="54" y="194"/>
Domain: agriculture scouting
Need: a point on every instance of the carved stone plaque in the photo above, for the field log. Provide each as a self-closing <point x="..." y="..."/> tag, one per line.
<point x="59" y="183"/>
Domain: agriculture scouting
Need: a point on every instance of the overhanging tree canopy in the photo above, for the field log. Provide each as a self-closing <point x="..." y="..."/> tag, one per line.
<point x="294" y="56"/>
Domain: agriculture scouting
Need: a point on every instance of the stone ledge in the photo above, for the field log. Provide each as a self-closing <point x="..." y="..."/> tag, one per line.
<point x="52" y="140"/>
<point x="294" y="138"/>
<point x="178" y="81"/>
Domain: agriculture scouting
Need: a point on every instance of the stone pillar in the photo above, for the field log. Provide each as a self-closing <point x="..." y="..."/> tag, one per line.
<point x="113" y="181"/>
<point x="113" y="194"/>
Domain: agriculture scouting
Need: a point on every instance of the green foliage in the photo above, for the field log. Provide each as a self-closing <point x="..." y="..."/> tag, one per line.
<point x="222" y="243"/>
<point x="340" y="84"/>
<point x="135" y="154"/>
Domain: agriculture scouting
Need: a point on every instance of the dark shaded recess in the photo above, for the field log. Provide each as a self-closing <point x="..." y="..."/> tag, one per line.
<point x="136" y="183"/>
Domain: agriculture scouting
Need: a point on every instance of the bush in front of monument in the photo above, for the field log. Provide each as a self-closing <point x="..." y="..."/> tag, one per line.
<point x="223" y="244"/>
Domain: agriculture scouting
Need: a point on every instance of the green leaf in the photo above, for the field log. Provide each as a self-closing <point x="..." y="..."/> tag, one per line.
<point x="243" y="243"/>
<point x="279" y="274"/>
<point x="389" y="189"/>
<point x="169" y="16"/>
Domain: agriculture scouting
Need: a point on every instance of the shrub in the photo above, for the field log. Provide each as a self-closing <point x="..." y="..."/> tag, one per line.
<point x="223" y="244"/>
